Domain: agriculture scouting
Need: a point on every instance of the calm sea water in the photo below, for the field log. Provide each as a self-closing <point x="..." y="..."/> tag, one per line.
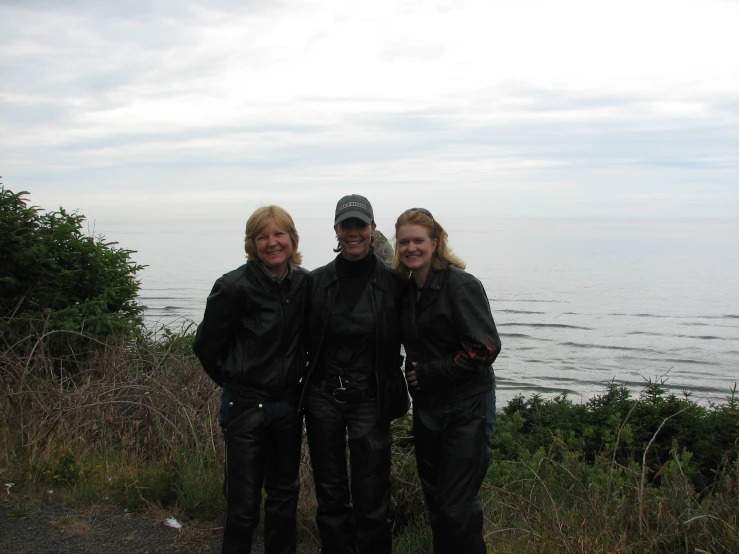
<point x="578" y="302"/>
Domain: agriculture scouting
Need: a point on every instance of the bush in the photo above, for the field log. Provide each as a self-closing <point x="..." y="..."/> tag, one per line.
<point x="58" y="284"/>
<point x="615" y="426"/>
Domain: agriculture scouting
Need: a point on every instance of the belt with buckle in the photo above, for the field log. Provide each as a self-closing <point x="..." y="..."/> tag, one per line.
<point x="344" y="393"/>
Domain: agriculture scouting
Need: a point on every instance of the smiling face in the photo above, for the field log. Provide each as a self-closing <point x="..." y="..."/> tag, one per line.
<point x="416" y="249"/>
<point x="355" y="238"/>
<point x="274" y="247"/>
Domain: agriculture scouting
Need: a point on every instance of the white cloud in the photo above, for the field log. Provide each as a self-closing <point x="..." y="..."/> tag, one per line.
<point x="120" y="105"/>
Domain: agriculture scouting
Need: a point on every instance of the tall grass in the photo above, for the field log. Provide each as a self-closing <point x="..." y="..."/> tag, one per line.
<point x="135" y="424"/>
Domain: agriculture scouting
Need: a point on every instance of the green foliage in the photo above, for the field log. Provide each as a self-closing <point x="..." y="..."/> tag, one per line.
<point x="173" y="342"/>
<point x="152" y="483"/>
<point x="414" y="539"/>
<point x="57" y="283"/>
<point x="616" y="426"/>
<point x="19" y="512"/>
<point x="199" y="487"/>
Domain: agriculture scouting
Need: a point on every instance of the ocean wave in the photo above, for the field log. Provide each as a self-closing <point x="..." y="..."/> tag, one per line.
<point x="607" y="347"/>
<point x="699" y="337"/>
<point x="544" y="325"/>
<point x="697" y="324"/>
<point x="543" y="301"/>
<point x="689" y="361"/>
<point x="703" y="337"/>
<point x="536" y="388"/>
<point x="521" y="336"/>
<point x="524" y="312"/>
<point x="528" y="300"/>
<point x="663" y="316"/>
<point x="563" y="379"/>
<point x="621" y="314"/>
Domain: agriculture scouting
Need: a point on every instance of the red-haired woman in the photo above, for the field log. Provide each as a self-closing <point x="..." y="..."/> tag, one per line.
<point x="250" y="343"/>
<point x="451" y="342"/>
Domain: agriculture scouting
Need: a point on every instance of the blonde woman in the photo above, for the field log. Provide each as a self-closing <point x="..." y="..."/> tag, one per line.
<point x="250" y="343"/>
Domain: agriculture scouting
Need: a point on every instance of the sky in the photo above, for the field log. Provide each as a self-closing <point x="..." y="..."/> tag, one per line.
<point x="209" y="109"/>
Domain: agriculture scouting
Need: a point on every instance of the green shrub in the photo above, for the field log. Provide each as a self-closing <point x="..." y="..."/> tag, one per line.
<point x="616" y="426"/>
<point x="60" y="289"/>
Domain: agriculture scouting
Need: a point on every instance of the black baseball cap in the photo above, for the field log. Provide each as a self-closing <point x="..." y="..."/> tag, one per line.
<point x="354" y="205"/>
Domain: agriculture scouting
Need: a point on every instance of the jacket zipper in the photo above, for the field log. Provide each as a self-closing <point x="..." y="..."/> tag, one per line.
<point x="377" y="347"/>
<point x="284" y="338"/>
<point x="320" y="343"/>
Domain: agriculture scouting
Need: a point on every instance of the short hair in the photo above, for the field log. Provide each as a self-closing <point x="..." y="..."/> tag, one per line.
<point x="443" y="253"/>
<point x="259" y="220"/>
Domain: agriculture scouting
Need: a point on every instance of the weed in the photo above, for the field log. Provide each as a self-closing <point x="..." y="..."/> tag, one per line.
<point x="19" y="512"/>
<point x="72" y="526"/>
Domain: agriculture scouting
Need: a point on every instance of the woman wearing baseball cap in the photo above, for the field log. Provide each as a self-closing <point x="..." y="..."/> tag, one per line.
<point x="354" y="385"/>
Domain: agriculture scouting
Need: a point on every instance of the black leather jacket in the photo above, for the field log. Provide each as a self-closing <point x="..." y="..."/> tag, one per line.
<point x="250" y="338"/>
<point x="323" y="288"/>
<point x="451" y="335"/>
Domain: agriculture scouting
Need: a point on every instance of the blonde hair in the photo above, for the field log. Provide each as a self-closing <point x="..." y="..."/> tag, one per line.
<point x="259" y="220"/>
<point x="443" y="253"/>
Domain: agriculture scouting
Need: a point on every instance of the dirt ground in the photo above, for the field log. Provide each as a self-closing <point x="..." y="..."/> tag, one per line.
<point x="54" y="529"/>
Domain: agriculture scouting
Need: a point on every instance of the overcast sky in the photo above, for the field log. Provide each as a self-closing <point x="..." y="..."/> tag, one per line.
<point x="210" y="108"/>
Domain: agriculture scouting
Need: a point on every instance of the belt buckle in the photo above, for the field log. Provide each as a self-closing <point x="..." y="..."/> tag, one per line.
<point x="341" y="387"/>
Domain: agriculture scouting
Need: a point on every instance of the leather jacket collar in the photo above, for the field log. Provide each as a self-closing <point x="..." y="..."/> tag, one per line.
<point x="431" y="288"/>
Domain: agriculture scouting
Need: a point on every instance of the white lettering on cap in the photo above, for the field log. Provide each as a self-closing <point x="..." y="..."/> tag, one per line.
<point x="352" y="205"/>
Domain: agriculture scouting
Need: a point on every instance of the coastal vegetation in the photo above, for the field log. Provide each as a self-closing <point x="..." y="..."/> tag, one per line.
<point x="61" y="288"/>
<point x="95" y="409"/>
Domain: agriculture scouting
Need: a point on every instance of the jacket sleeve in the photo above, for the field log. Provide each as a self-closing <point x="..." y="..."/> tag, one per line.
<point x="479" y="343"/>
<point x="215" y="332"/>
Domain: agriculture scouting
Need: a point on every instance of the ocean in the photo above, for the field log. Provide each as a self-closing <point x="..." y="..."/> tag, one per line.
<point x="578" y="303"/>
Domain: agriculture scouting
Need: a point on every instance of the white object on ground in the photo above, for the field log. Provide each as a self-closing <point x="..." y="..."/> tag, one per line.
<point x="173" y="523"/>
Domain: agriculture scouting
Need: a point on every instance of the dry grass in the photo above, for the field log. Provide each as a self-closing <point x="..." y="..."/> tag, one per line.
<point x="72" y="526"/>
<point x="124" y="400"/>
<point x="131" y="421"/>
<point x="190" y="536"/>
<point x="135" y="425"/>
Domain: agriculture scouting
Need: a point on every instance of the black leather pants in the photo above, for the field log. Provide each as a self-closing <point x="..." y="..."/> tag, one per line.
<point x="356" y="522"/>
<point x="452" y="456"/>
<point x="262" y="449"/>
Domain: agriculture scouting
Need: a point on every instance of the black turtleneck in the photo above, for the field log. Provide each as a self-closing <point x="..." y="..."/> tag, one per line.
<point x="353" y="277"/>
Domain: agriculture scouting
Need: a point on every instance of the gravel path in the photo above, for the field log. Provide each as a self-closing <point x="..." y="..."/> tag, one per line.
<point x="54" y="529"/>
